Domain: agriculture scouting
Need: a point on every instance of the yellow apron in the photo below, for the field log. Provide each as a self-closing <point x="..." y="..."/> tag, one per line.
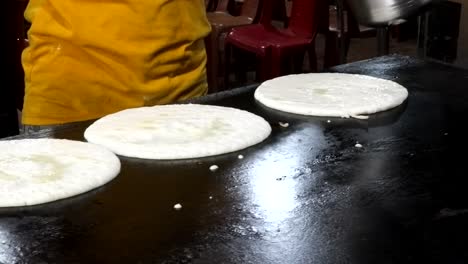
<point x="89" y="58"/>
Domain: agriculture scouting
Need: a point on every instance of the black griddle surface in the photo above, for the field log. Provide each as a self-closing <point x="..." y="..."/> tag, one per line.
<point x="305" y="195"/>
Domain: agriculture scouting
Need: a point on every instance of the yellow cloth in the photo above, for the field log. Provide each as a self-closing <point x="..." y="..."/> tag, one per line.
<point x="89" y="58"/>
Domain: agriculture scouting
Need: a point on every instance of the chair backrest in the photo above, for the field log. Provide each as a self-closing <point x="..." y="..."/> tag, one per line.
<point x="305" y="17"/>
<point x="266" y="11"/>
<point x="222" y="5"/>
<point x="250" y="9"/>
<point x="272" y="9"/>
<point x="280" y="11"/>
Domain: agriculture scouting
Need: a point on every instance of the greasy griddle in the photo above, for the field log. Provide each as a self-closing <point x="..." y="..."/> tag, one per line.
<point x="305" y="195"/>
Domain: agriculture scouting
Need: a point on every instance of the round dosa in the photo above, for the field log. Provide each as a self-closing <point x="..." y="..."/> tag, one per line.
<point x="36" y="171"/>
<point x="330" y="94"/>
<point x="180" y="131"/>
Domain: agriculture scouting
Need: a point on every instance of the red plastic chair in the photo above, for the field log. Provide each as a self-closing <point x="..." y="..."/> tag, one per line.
<point x="273" y="46"/>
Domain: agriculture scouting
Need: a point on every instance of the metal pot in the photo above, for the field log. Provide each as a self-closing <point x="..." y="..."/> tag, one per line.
<point x="384" y="12"/>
